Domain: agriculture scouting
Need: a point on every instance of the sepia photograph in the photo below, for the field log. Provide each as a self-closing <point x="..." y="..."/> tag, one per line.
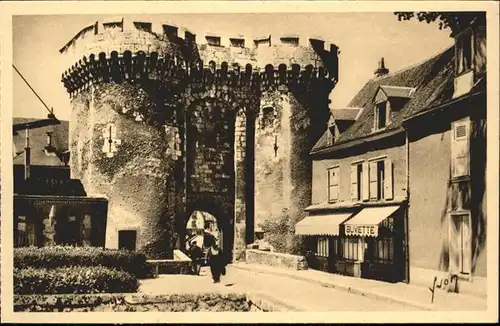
<point x="274" y="160"/>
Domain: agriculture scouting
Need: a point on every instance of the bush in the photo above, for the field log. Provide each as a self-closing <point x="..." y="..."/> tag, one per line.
<point x="66" y="256"/>
<point x="279" y="232"/>
<point x="91" y="279"/>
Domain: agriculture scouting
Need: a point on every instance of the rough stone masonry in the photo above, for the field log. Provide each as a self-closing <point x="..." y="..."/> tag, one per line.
<point x="163" y="125"/>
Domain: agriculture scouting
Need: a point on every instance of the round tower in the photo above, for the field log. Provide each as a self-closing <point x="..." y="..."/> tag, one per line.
<point x="165" y="124"/>
<point x="290" y="122"/>
<point x="124" y="133"/>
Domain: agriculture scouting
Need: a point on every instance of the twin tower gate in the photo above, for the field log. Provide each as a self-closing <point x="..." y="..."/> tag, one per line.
<point x="163" y="126"/>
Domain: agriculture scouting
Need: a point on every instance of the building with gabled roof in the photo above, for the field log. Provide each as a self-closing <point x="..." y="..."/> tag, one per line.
<point x="49" y="206"/>
<point x="399" y="195"/>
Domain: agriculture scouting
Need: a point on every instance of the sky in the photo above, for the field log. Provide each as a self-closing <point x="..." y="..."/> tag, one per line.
<point x="363" y="38"/>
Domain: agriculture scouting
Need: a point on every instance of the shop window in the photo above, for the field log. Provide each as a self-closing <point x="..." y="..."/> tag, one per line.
<point x="384" y="250"/>
<point x="127" y="239"/>
<point x="460" y="244"/>
<point x="381" y="115"/>
<point x="350" y="248"/>
<point x="381" y="180"/>
<point x="464" y="52"/>
<point x="322" y="247"/>
<point x="333" y="184"/>
<point x="26" y="233"/>
<point x="460" y="152"/>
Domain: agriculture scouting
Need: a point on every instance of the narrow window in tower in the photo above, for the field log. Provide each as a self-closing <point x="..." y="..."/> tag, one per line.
<point x="267" y="117"/>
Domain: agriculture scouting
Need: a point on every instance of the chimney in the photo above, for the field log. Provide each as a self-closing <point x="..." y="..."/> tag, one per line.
<point x="27" y="156"/>
<point x="382" y="70"/>
<point x="49" y="138"/>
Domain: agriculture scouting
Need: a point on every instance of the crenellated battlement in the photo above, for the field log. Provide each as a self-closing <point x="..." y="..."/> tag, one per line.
<point x="121" y="49"/>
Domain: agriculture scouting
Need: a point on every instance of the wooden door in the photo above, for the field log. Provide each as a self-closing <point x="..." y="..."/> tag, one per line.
<point x="127" y="239"/>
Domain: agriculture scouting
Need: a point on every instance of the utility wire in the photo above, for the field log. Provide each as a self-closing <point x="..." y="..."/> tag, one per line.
<point x="51" y="112"/>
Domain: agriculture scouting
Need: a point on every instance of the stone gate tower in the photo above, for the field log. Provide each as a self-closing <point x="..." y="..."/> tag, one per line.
<point x="164" y="124"/>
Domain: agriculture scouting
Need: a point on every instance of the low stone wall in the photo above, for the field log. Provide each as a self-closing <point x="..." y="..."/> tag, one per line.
<point x="203" y="302"/>
<point x="275" y="259"/>
<point x="181" y="264"/>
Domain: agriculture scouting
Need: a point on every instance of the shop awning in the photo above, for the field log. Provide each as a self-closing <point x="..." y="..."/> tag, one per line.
<point x="367" y="221"/>
<point x="327" y="224"/>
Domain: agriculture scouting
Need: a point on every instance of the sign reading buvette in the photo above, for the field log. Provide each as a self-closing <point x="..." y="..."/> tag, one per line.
<point x="362" y="230"/>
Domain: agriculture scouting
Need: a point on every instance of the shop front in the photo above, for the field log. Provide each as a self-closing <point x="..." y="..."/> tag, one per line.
<point x="365" y="242"/>
<point x="322" y="237"/>
<point x="372" y="244"/>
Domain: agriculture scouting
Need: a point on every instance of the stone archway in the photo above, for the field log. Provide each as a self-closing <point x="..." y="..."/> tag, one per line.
<point x="209" y="163"/>
<point x="223" y="220"/>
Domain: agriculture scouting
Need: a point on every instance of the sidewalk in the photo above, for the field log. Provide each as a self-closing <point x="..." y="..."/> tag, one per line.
<point x="410" y="295"/>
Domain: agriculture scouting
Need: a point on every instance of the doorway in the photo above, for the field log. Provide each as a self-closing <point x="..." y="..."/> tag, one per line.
<point x="127" y="239"/>
<point x="460" y="244"/>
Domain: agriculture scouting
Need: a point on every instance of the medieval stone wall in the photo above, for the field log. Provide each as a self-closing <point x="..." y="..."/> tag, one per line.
<point x="187" y="117"/>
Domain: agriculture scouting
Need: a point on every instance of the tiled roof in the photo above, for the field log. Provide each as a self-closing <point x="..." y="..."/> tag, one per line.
<point x="433" y="83"/>
<point x="345" y="114"/>
<point x="38" y="140"/>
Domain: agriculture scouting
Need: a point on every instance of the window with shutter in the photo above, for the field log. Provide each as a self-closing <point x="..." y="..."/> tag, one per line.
<point x="354" y="182"/>
<point x="357" y="181"/>
<point x="460" y="148"/>
<point x="389" y="181"/>
<point x="333" y="184"/>
<point x="373" y="180"/>
<point x="365" y="182"/>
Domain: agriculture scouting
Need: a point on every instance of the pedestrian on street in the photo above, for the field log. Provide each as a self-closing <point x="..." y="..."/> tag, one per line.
<point x="215" y="260"/>
<point x="195" y="253"/>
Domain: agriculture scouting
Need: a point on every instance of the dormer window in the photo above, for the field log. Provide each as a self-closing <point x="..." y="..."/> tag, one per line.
<point x="331" y="131"/>
<point x="331" y="134"/>
<point x="464" y="63"/>
<point x="464" y="51"/>
<point x="387" y="99"/>
<point x="381" y="115"/>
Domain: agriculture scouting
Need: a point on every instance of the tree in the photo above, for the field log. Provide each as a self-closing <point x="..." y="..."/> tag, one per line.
<point x="455" y="21"/>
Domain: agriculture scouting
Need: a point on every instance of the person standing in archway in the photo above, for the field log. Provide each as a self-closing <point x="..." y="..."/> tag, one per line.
<point x="215" y="260"/>
<point x="195" y="253"/>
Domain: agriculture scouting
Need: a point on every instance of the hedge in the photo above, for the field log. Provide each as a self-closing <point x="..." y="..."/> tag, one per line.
<point x="66" y="256"/>
<point x="75" y="279"/>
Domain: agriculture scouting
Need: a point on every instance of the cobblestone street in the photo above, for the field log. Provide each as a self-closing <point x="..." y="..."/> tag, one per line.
<point x="302" y="295"/>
